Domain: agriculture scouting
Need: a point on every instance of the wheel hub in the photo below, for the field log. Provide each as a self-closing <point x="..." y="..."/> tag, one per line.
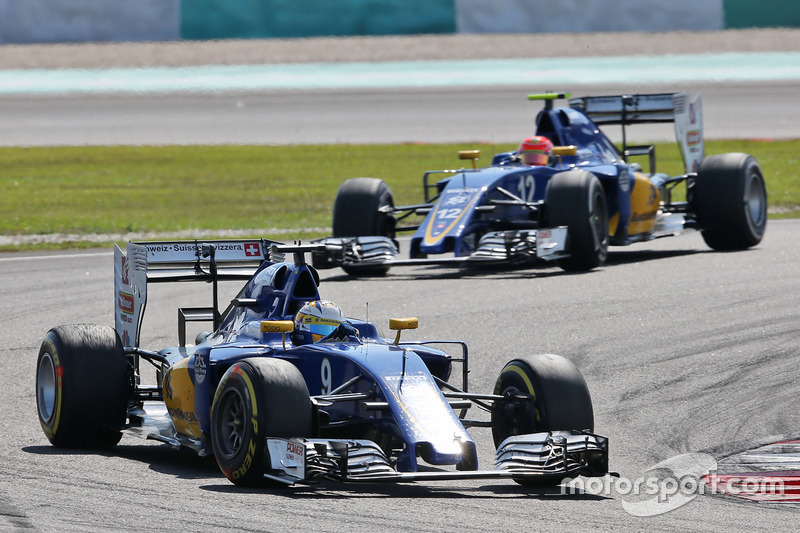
<point x="46" y="387"/>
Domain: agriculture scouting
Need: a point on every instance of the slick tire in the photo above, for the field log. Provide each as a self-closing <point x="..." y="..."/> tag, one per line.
<point x="357" y="213"/>
<point x="82" y="386"/>
<point x="730" y="199"/>
<point x="559" y="400"/>
<point x="255" y="399"/>
<point x="576" y="199"/>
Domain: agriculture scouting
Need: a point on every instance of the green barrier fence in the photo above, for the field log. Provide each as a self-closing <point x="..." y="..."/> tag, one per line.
<point x="761" y="14"/>
<point x="236" y="19"/>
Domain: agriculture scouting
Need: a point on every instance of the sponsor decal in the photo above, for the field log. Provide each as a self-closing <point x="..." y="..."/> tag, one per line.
<point x="230" y="247"/>
<point x="457" y="198"/>
<point x="624" y="180"/>
<point x="308" y="319"/>
<point x="294" y="451"/>
<point x="200" y="368"/>
<point x="168" y="385"/>
<point x="125" y="271"/>
<point x="158" y="248"/>
<point x="180" y="414"/>
<point x="407" y="378"/>
<point x="693" y="137"/>
<point x="252" y="249"/>
<point x="153" y="249"/>
<point x="641" y="217"/>
<point x="125" y="302"/>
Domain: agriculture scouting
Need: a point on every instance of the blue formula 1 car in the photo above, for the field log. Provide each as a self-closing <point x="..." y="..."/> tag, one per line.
<point x="567" y="209"/>
<point x="349" y="406"/>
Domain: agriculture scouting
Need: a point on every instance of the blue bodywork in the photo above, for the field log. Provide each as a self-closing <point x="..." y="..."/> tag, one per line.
<point x="456" y="219"/>
<point x="418" y="420"/>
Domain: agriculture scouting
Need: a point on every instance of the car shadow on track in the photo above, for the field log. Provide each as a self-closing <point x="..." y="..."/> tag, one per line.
<point x="159" y="458"/>
<point x="406" y="273"/>
<point x="641" y="256"/>
<point x="394" y="491"/>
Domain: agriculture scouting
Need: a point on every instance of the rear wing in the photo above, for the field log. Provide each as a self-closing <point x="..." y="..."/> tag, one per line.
<point x="625" y="110"/>
<point x="169" y="261"/>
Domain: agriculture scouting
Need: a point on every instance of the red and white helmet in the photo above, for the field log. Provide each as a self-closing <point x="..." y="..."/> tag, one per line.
<point x="536" y="150"/>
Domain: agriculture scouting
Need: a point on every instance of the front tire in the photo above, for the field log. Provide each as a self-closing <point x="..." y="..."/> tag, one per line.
<point x="730" y="199"/>
<point x="256" y="398"/>
<point x="357" y="209"/>
<point x="82" y="386"/>
<point x="576" y="199"/>
<point x="557" y="399"/>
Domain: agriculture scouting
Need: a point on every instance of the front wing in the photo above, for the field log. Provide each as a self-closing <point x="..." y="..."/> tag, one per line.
<point x="501" y="247"/>
<point x="535" y="457"/>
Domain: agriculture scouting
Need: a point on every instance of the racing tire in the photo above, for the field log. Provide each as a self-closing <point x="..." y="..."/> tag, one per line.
<point x="255" y="399"/>
<point x="82" y="386"/>
<point x="730" y="199"/>
<point x="576" y="199"/>
<point x="559" y="400"/>
<point x="356" y="213"/>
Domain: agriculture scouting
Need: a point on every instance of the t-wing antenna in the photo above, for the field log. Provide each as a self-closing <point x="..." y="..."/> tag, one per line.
<point x="549" y="98"/>
<point x="277" y="252"/>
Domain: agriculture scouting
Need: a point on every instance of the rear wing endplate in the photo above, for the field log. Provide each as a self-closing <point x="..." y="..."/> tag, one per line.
<point x="166" y="261"/>
<point x="625" y="110"/>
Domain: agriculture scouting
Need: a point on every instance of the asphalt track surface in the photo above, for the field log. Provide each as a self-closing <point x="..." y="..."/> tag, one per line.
<point x="453" y="114"/>
<point x="684" y="350"/>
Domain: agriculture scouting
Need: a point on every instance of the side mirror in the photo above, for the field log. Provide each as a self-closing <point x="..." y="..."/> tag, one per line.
<point x="474" y="155"/>
<point x="277" y="326"/>
<point x="560" y="151"/>
<point x="399" y="324"/>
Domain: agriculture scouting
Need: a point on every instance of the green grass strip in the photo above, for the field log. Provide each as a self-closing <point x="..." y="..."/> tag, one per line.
<point x="283" y="192"/>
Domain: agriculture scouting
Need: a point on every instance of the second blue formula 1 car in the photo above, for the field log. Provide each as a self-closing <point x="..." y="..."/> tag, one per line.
<point x="585" y="196"/>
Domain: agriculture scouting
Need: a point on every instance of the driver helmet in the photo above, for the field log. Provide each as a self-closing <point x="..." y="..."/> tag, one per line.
<point x="535" y="150"/>
<point x="316" y="320"/>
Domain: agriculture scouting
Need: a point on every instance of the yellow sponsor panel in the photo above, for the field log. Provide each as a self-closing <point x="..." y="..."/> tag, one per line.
<point x="613" y="222"/>
<point x="178" y="392"/>
<point x="644" y="205"/>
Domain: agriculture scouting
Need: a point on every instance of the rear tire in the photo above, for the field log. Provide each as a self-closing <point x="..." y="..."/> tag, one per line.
<point x="357" y="213"/>
<point x="576" y="199"/>
<point x="730" y="198"/>
<point x="257" y="398"/>
<point x="82" y="386"/>
<point x="559" y="400"/>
